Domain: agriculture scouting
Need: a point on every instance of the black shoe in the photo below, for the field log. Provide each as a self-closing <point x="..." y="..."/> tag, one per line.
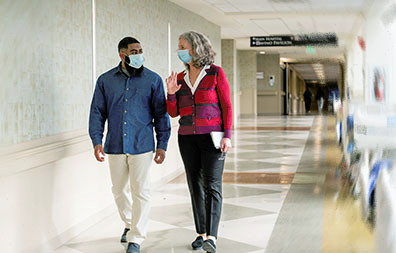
<point x="209" y="246"/>
<point x="197" y="244"/>
<point x="124" y="236"/>
<point x="133" y="248"/>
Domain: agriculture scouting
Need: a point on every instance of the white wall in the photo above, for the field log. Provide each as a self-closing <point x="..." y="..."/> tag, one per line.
<point x="379" y="32"/>
<point x="381" y="44"/>
<point x="51" y="188"/>
<point x="45" y="206"/>
<point x="355" y="71"/>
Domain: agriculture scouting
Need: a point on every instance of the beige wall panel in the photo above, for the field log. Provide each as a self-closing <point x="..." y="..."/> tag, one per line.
<point x="246" y="71"/>
<point x="266" y="104"/>
<point x="45" y="69"/>
<point x="248" y="102"/>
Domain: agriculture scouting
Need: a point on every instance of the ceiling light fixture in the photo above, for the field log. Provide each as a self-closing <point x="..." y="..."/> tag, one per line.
<point x="319" y="71"/>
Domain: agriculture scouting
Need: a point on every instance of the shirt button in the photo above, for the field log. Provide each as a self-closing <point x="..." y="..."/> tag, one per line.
<point x="193" y="105"/>
<point x="127" y="88"/>
<point x="193" y="114"/>
<point x="124" y="123"/>
<point x="126" y="99"/>
<point x="125" y="111"/>
<point x="193" y="123"/>
<point x="194" y="132"/>
<point x="124" y="134"/>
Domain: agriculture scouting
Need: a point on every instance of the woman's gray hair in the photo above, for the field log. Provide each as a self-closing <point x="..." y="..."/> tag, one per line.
<point x="203" y="53"/>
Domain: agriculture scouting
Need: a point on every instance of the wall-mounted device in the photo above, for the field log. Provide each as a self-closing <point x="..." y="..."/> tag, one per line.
<point x="271" y="80"/>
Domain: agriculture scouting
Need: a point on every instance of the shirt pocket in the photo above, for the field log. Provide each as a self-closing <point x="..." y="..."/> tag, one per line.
<point x="142" y="97"/>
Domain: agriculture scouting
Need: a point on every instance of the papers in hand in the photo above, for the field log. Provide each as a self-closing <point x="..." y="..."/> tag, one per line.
<point x="216" y="138"/>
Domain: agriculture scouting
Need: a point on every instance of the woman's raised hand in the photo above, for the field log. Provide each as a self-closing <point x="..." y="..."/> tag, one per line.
<point x="171" y="82"/>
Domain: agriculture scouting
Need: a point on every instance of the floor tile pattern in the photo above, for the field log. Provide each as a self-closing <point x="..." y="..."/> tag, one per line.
<point x="258" y="174"/>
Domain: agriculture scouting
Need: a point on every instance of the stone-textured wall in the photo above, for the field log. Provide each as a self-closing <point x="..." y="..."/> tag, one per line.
<point x="46" y="89"/>
<point x="45" y="68"/>
<point x="46" y="56"/>
<point x="147" y="21"/>
<point x="229" y="64"/>
<point x="247" y="65"/>
<point x="228" y="53"/>
<point x="269" y="64"/>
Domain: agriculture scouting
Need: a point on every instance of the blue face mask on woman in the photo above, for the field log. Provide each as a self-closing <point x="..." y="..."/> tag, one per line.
<point x="136" y="60"/>
<point x="184" y="55"/>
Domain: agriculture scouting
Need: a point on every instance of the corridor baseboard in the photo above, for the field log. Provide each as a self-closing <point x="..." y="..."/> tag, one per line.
<point x="77" y="229"/>
<point x="24" y="156"/>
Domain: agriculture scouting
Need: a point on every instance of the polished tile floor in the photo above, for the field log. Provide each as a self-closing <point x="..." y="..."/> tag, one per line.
<point x="281" y="194"/>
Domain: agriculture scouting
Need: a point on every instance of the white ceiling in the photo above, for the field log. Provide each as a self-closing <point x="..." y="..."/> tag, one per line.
<point x="331" y="71"/>
<point x="285" y="5"/>
<point x="240" y="19"/>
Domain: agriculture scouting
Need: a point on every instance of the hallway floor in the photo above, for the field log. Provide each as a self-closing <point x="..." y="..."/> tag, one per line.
<point x="282" y="193"/>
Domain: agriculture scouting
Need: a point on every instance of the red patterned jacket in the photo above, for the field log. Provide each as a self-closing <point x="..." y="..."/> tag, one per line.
<point x="209" y="109"/>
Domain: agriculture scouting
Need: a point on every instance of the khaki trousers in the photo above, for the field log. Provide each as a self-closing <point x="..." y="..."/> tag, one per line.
<point x="130" y="176"/>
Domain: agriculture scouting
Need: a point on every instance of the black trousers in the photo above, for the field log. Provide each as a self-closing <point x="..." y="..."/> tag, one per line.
<point x="204" y="165"/>
<point x="307" y="105"/>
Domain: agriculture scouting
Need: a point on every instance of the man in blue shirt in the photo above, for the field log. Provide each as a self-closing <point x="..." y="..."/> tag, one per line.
<point x="131" y="99"/>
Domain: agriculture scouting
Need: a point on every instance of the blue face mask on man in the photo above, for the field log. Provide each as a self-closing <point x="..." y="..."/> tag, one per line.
<point x="184" y="55"/>
<point x="136" y="60"/>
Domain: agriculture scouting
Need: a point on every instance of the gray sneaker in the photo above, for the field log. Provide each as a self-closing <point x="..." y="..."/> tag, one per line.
<point x="209" y="246"/>
<point x="133" y="248"/>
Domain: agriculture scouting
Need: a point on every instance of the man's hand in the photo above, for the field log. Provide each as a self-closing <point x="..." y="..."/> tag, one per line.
<point x="159" y="156"/>
<point x="99" y="153"/>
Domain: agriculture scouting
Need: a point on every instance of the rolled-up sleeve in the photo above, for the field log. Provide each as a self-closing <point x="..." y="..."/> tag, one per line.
<point x="160" y="115"/>
<point x="98" y="114"/>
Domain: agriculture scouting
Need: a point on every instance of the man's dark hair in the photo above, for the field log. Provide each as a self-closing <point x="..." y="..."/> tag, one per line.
<point x="125" y="42"/>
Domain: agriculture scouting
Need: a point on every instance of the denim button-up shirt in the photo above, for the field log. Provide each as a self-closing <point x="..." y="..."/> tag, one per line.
<point x="132" y="107"/>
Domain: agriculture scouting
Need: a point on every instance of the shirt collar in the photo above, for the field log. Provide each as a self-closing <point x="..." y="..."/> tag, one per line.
<point x="119" y="68"/>
<point x="201" y="75"/>
<point x="206" y="67"/>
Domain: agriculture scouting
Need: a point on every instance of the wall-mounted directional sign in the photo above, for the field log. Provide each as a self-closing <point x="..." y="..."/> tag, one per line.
<point x="312" y="39"/>
<point x="271" y="41"/>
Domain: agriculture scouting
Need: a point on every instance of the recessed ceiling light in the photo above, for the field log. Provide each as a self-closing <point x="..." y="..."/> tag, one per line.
<point x="262" y="52"/>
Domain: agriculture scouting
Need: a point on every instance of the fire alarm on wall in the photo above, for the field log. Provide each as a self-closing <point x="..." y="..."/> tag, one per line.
<point x="271" y="80"/>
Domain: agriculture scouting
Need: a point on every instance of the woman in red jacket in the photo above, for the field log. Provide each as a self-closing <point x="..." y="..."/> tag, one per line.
<point x="201" y="96"/>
